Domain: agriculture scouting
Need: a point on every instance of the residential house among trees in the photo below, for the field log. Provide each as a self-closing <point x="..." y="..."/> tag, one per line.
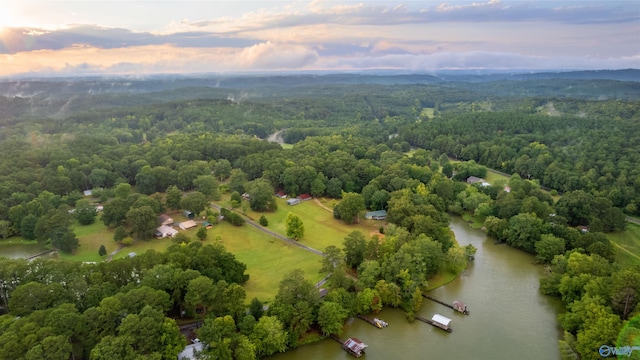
<point x="165" y="231"/>
<point x="376" y="215"/>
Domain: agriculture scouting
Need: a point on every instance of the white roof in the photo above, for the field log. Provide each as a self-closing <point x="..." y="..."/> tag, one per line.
<point x="441" y="319"/>
<point x="165" y="229"/>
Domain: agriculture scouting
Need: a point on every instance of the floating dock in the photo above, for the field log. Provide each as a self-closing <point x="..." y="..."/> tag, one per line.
<point x="458" y="305"/>
<point x="437" y="324"/>
<point x="375" y="322"/>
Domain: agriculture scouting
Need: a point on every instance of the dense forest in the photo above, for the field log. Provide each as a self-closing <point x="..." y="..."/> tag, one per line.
<point x="405" y="144"/>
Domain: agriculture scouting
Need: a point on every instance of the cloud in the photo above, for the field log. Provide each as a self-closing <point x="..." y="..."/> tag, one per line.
<point x="277" y="56"/>
<point x="14" y="40"/>
<point x="158" y="59"/>
<point x="476" y="60"/>
<point x="381" y="15"/>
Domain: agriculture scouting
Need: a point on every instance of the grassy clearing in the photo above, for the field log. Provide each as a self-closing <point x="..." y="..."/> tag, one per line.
<point x="268" y="259"/>
<point x="496" y="178"/>
<point x="91" y="237"/>
<point x="441" y="279"/>
<point x="476" y="221"/>
<point x="427" y="112"/>
<point x="320" y="228"/>
<point x="627" y="244"/>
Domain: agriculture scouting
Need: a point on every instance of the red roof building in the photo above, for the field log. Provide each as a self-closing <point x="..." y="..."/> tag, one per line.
<point x="354" y="346"/>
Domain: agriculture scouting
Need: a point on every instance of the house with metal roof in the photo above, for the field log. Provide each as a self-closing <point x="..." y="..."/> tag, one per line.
<point x="376" y="215"/>
<point x="165" y="231"/>
<point x="354" y="347"/>
<point x="441" y="321"/>
<point x="187" y="224"/>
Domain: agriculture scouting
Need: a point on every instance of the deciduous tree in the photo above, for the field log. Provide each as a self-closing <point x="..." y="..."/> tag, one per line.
<point x="195" y="202"/>
<point x="350" y="206"/>
<point x="295" y="227"/>
<point x="261" y="195"/>
<point x="331" y="317"/>
<point x="143" y="221"/>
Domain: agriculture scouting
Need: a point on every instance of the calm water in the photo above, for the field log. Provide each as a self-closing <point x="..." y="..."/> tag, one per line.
<point x="21" y="251"/>
<point x="509" y="318"/>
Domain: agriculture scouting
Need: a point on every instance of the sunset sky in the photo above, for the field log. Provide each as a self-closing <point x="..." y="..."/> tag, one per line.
<point x="145" y="37"/>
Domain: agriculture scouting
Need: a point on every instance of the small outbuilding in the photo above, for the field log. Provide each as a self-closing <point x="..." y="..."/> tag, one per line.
<point x="187" y="224"/>
<point x="304" y="197"/>
<point x="207" y="225"/>
<point x="292" y="202"/>
<point x="165" y="219"/>
<point x="354" y="347"/>
<point x="440" y="321"/>
<point x="281" y="195"/>
<point x="376" y="215"/>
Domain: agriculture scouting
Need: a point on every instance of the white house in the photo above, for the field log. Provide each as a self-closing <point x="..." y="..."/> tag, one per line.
<point x="165" y="231"/>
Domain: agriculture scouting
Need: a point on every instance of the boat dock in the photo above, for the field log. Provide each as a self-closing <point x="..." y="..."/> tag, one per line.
<point x="353" y="346"/>
<point x="40" y="254"/>
<point x="436" y="324"/>
<point x="375" y="322"/>
<point x="458" y="305"/>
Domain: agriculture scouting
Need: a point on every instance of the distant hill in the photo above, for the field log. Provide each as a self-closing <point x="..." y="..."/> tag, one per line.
<point x="620" y="75"/>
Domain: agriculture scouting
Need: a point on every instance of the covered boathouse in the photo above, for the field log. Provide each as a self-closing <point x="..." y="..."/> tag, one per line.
<point x="440" y="321"/>
<point x="354" y="347"/>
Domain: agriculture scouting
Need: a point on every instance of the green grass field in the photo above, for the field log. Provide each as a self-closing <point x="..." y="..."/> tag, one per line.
<point x="427" y="112"/>
<point x="320" y="228"/>
<point x="268" y="259"/>
<point x="627" y="244"/>
<point x="496" y="178"/>
<point x="91" y="237"/>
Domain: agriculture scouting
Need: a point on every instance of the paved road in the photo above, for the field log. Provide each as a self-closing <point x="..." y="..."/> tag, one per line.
<point x="275" y="234"/>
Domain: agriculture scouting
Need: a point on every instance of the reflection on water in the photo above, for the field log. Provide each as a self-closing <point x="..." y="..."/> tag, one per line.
<point x="509" y="318"/>
<point x="21" y="251"/>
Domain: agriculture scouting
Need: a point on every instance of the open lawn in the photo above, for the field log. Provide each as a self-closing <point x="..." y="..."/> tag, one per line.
<point x="496" y="178"/>
<point x="627" y="244"/>
<point x="268" y="259"/>
<point x="91" y="237"/>
<point x="427" y="112"/>
<point x="442" y="278"/>
<point x="321" y="229"/>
